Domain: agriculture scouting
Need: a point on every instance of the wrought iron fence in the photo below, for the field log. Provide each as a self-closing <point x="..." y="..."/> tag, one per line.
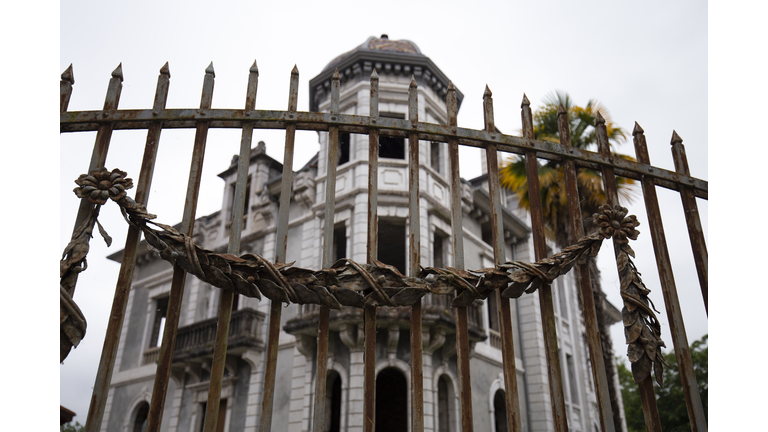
<point x="378" y="286"/>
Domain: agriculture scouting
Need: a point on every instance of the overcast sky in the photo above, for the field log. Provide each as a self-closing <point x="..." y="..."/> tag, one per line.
<point x="645" y="63"/>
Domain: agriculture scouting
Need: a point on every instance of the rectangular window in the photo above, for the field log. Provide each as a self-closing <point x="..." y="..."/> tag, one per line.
<point x="158" y="326"/>
<point x="392" y="147"/>
<point x="339" y="241"/>
<point x="493" y="312"/>
<point x="572" y="379"/>
<point x="344" y="140"/>
<point x="438" y="250"/>
<point x="561" y="299"/>
<point x="434" y="155"/>
<point x="391" y="245"/>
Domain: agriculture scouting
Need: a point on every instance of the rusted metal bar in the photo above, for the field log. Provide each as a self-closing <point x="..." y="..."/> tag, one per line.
<point x="695" y="231"/>
<point x="414" y="233"/>
<point x="545" y="292"/>
<point x="666" y="277"/>
<point x="462" y="341"/>
<point x="67" y="81"/>
<point x="585" y="283"/>
<point x="318" y="415"/>
<point x="109" y="350"/>
<point x="369" y="314"/>
<point x="226" y="298"/>
<point x="499" y="256"/>
<point x="275" y="307"/>
<point x="265" y="119"/>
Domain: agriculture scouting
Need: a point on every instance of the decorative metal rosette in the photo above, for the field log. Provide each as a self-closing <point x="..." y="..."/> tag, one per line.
<point x="613" y="223"/>
<point x="101" y="185"/>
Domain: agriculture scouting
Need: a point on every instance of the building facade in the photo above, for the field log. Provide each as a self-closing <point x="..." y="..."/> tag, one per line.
<point x="396" y="62"/>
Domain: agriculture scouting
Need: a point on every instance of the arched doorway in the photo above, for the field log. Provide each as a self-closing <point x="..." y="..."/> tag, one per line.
<point x="140" y="421"/>
<point x="332" y="421"/>
<point x="500" y="411"/>
<point x="391" y="401"/>
<point x="445" y="405"/>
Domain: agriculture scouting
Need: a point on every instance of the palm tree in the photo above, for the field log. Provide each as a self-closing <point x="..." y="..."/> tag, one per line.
<point x="581" y="121"/>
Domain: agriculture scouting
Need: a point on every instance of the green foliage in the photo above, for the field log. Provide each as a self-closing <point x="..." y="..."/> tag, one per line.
<point x="670" y="399"/>
<point x="69" y="427"/>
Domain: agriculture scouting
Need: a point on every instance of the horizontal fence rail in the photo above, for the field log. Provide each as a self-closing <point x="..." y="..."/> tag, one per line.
<point x="371" y="291"/>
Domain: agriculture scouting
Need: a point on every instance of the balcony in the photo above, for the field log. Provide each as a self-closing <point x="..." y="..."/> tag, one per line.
<point x="197" y="340"/>
<point x="436" y="311"/>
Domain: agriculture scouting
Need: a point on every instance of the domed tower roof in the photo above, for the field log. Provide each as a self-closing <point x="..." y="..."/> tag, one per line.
<point x="400" y="57"/>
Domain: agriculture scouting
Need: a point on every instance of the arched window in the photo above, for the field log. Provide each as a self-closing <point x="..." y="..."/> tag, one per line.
<point x="140" y="421"/>
<point x="391" y="401"/>
<point x="445" y="404"/>
<point x="332" y="422"/>
<point x="500" y="411"/>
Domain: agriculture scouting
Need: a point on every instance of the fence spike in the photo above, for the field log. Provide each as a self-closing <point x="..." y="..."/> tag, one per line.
<point x="209" y="70"/>
<point x="295" y="70"/>
<point x="487" y="93"/>
<point x="451" y="87"/>
<point x="599" y="119"/>
<point x="413" y="82"/>
<point x="560" y="109"/>
<point x="676" y="138"/>
<point x="374" y="75"/>
<point x="526" y="102"/>
<point x="336" y="75"/>
<point x="254" y="68"/>
<point x="165" y="70"/>
<point x="118" y="72"/>
<point x="68" y="75"/>
<point x="637" y="130"/>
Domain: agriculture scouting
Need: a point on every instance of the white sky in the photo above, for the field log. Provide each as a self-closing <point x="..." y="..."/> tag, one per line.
<point x="646" y="62"/>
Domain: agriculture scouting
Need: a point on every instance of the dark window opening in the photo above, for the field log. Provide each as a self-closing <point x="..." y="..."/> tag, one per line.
<point x="391" y="244"/>
<point x="572" y="378"/>
<point x="339" y="241"/>
<point x="487" y="233"/>
<point x="245" y="202"/>
<point x="500" y="411"/>
<point x="332" y="422"/>
<point x="434" y="155"/>
<point x="140" y="422"/>
<point x="561" y="299"/>
<point x="392" y="147"/>
<point x="444" y="405"/>
<point x="391" y="412"/>
<point x="344" y="140"/>
<point x="493" y="312"/>
<point x="438" y="250"/>
<point x="220" y="417"/>
<point x="158" y="326"/>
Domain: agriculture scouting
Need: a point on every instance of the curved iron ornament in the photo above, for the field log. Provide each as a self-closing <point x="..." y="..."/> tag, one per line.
<point x="348" y="283"/>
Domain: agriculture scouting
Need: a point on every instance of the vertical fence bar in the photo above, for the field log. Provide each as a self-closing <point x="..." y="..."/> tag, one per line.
<point x="545" y="291"/>
<point x="499" y="256"/>
<point x="275" y="307"/>
<point x="109" y="350"/>
<point x="414" y="233"/>
<point x="67" y="81"/>
<point x="227" y="297"/>
<point x="585" y="283"/>
<point x="671" y="301"/>
<point x="695" y="231"/>
<point x="369" y="313"/>
<point x="647" y="396"/>
<point x="318" y="415"/>
<point x="462" y="342"/>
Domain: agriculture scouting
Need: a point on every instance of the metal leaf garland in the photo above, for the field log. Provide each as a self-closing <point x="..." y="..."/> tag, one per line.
<point x="351" y="284"/>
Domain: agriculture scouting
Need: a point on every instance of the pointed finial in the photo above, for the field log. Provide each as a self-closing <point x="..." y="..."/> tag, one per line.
<point x="526" y="102"/>
<point x="599" y="119"/>
<point x="68" y="75"/>
<point x="165" y="70"/>
<point x="560" y="109"/>
<point x="374" y="75"/>
<point x="295" y="70"/>
<point x="336" y="75"/>
<point x="487" y="93"/>
<point x="451" y="86"/>
<point x="676" y="138"/>
<point x="637" y="130"/>
<point x="118" y="72"/>
<point x="209" y="70"/>
<point x="413" y="82"/>
<point x="254" y="68"/>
